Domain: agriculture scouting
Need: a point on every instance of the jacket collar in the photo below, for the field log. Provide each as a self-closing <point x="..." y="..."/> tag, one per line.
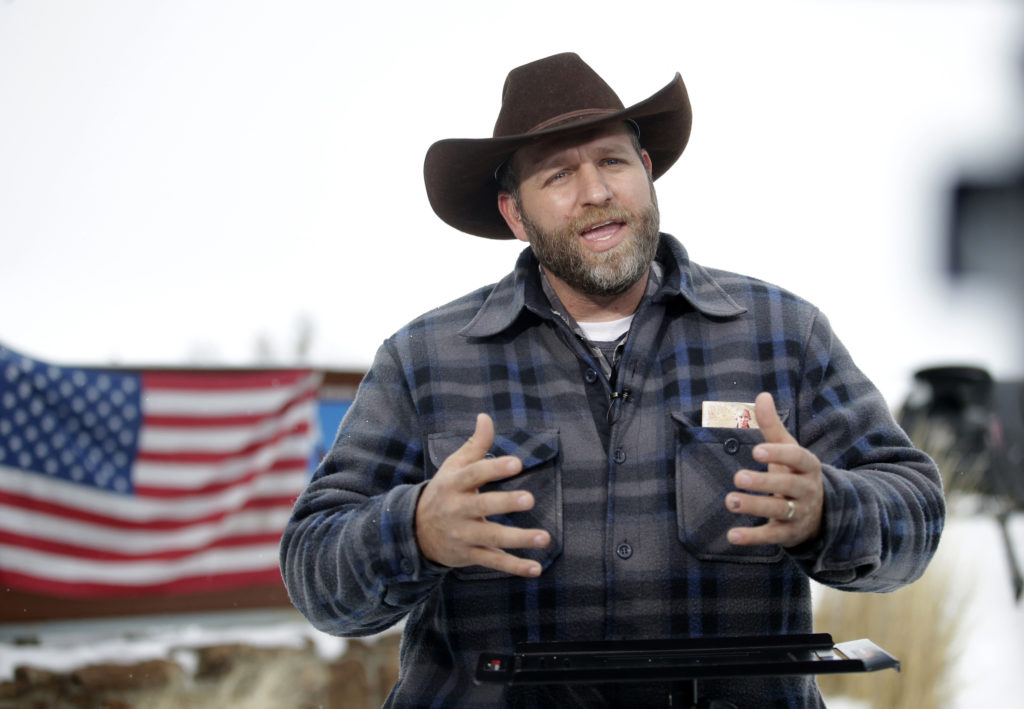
<point x="521" y="290"/>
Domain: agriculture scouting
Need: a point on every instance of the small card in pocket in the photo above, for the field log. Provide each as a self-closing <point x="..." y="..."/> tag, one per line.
<point x="727" y="414"/>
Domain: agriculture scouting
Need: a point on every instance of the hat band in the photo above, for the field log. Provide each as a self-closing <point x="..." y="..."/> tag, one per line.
<point x="572" y="116"/>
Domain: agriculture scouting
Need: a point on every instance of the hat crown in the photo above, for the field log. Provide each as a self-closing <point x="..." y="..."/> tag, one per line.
<point x="551" y="91"/>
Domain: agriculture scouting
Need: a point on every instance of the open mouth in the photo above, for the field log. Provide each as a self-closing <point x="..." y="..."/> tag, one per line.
<point x="602" y="231"/>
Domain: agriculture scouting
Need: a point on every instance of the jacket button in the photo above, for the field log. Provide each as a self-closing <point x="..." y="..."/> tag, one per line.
<point x="591" y="376"/>
<point x="407" y="566"/>
<point x="731" y="446"/>
<point x="620" y="455"/>
<point x="624" y="551"/>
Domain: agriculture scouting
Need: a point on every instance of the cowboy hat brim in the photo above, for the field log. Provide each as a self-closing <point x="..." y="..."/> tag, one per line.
<point x="459" y="173"/>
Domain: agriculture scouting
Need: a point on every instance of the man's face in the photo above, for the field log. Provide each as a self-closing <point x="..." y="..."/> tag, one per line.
<point x="587" y="207"/>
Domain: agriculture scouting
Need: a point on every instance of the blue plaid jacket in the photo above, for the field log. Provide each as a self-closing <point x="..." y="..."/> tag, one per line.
<point x="634" y="502"/>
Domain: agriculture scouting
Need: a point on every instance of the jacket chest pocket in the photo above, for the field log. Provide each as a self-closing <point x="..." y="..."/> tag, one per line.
<point x="706" y="460"/>
<point x="541" y="475"/>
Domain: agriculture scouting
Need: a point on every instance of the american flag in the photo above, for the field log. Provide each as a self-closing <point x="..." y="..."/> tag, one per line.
<point x="151" y="482"/>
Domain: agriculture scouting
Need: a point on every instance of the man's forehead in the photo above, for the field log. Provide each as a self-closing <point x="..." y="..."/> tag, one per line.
<point x="542" y="150"/>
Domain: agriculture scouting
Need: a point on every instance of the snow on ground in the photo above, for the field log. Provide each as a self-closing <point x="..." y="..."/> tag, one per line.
<point x="64" y="646"/>
<point x="988" y="675"/>
<point x="992" y="654"/>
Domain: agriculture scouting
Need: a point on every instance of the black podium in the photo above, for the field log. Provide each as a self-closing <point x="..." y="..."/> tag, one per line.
<point x="681" y="662"/>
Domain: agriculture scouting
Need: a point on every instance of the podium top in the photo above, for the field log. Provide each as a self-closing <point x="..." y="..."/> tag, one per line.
<point x="685" y="659"/>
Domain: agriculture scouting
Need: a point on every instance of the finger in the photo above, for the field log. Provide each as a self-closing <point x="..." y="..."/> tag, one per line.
<point x="790" y="455"/>
<point x="773" y="532"/>
<point x="505" y="562"/>
<point x="488" y="504"/>
<point x="768" y="507"/>
<point x="785" y="483"/>
<point x="468" y="468"/>
<point x="501" y="536"/>
<point x="768" y="420"/>
<point x="476" y="475"/>
<point x="476" y="446"/>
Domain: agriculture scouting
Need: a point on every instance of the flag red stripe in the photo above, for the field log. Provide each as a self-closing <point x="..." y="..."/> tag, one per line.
<point x="191" y="584"/>
<point x="301" y="427"/>
<point x="201" y="380"/>
<point x="156" y="524"/>
<point x="81" y="552"/>
<point x="286" y="465"/>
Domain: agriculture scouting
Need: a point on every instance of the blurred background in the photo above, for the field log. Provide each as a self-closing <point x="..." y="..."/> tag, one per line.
<point x="235" y="183"/>
<point x="239" y="184"/>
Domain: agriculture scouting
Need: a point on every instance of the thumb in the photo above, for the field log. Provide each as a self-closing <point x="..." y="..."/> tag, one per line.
<point x="477" y="445"/>
<point x="768" y="420"/>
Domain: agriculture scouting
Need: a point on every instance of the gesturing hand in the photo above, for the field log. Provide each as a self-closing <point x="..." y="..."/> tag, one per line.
<point x="451" y="524"/>
<point x="792" y="490"/>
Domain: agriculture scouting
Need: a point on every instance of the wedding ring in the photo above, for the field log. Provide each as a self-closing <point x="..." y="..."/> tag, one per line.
<point x="791" y="510"/>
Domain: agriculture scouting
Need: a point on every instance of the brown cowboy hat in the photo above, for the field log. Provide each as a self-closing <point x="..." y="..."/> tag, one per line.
<point x="552" y="95"/>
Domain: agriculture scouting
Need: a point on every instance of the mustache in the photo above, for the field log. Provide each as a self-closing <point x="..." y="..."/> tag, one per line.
<point x="597" y="215"/>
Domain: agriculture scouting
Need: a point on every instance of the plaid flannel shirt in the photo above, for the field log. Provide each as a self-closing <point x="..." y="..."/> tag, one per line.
<point x="634" y="504"/>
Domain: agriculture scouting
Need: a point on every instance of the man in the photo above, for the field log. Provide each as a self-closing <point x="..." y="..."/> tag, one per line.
<point x="539" y="460"/>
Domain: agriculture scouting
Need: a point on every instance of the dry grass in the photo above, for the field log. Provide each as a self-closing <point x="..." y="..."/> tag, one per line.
<point x="227" y="677"/>
<point x="913" y="624"/>
<point x="961" y="473"/>
<point x="918" y="624"/>
<point x="923" y="624"/>
<point x="289" y="681"/>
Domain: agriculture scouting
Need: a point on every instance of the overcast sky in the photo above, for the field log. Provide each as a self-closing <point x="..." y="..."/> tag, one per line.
<point x="181" y="180"/>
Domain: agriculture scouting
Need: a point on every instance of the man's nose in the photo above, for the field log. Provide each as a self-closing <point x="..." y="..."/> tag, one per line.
<point x="594" y="188"/>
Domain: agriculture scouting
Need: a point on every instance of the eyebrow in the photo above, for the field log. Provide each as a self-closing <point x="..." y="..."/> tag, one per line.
<point x="555" y="160"/>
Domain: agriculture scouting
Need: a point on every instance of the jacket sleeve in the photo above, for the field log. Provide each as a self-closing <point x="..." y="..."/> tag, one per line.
<point x="349" y="556"/>
<point x="884" y="510"/>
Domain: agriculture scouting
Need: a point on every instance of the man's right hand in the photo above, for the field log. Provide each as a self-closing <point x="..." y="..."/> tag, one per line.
<point x="451" y="516"/>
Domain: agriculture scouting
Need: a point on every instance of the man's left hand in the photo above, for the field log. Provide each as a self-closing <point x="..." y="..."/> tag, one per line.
<point x="792" y="493"/>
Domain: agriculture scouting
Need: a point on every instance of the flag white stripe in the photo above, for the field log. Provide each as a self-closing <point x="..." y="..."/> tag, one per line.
<point x="145" y="509"/>
<point x="175" y="476"/>
<point x="69" y="569"/>
<point x="221" y="439"/>
<point x="69" y="531"/>
<point x="221" y="402"/>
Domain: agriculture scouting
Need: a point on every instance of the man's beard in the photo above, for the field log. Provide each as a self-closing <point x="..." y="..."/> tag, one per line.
<point x="591" y="273"/>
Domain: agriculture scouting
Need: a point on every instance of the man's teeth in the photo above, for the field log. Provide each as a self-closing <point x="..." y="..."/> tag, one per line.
<point x="589" y="232"/>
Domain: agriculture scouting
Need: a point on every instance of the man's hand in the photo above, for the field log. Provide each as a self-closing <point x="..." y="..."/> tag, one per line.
<point x="792" y="490"/>
<point x="451" y="524"/>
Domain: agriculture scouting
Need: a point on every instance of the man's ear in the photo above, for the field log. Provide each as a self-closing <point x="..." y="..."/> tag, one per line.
<point x="510" y="211"/>
<point x="646" y="157"/>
